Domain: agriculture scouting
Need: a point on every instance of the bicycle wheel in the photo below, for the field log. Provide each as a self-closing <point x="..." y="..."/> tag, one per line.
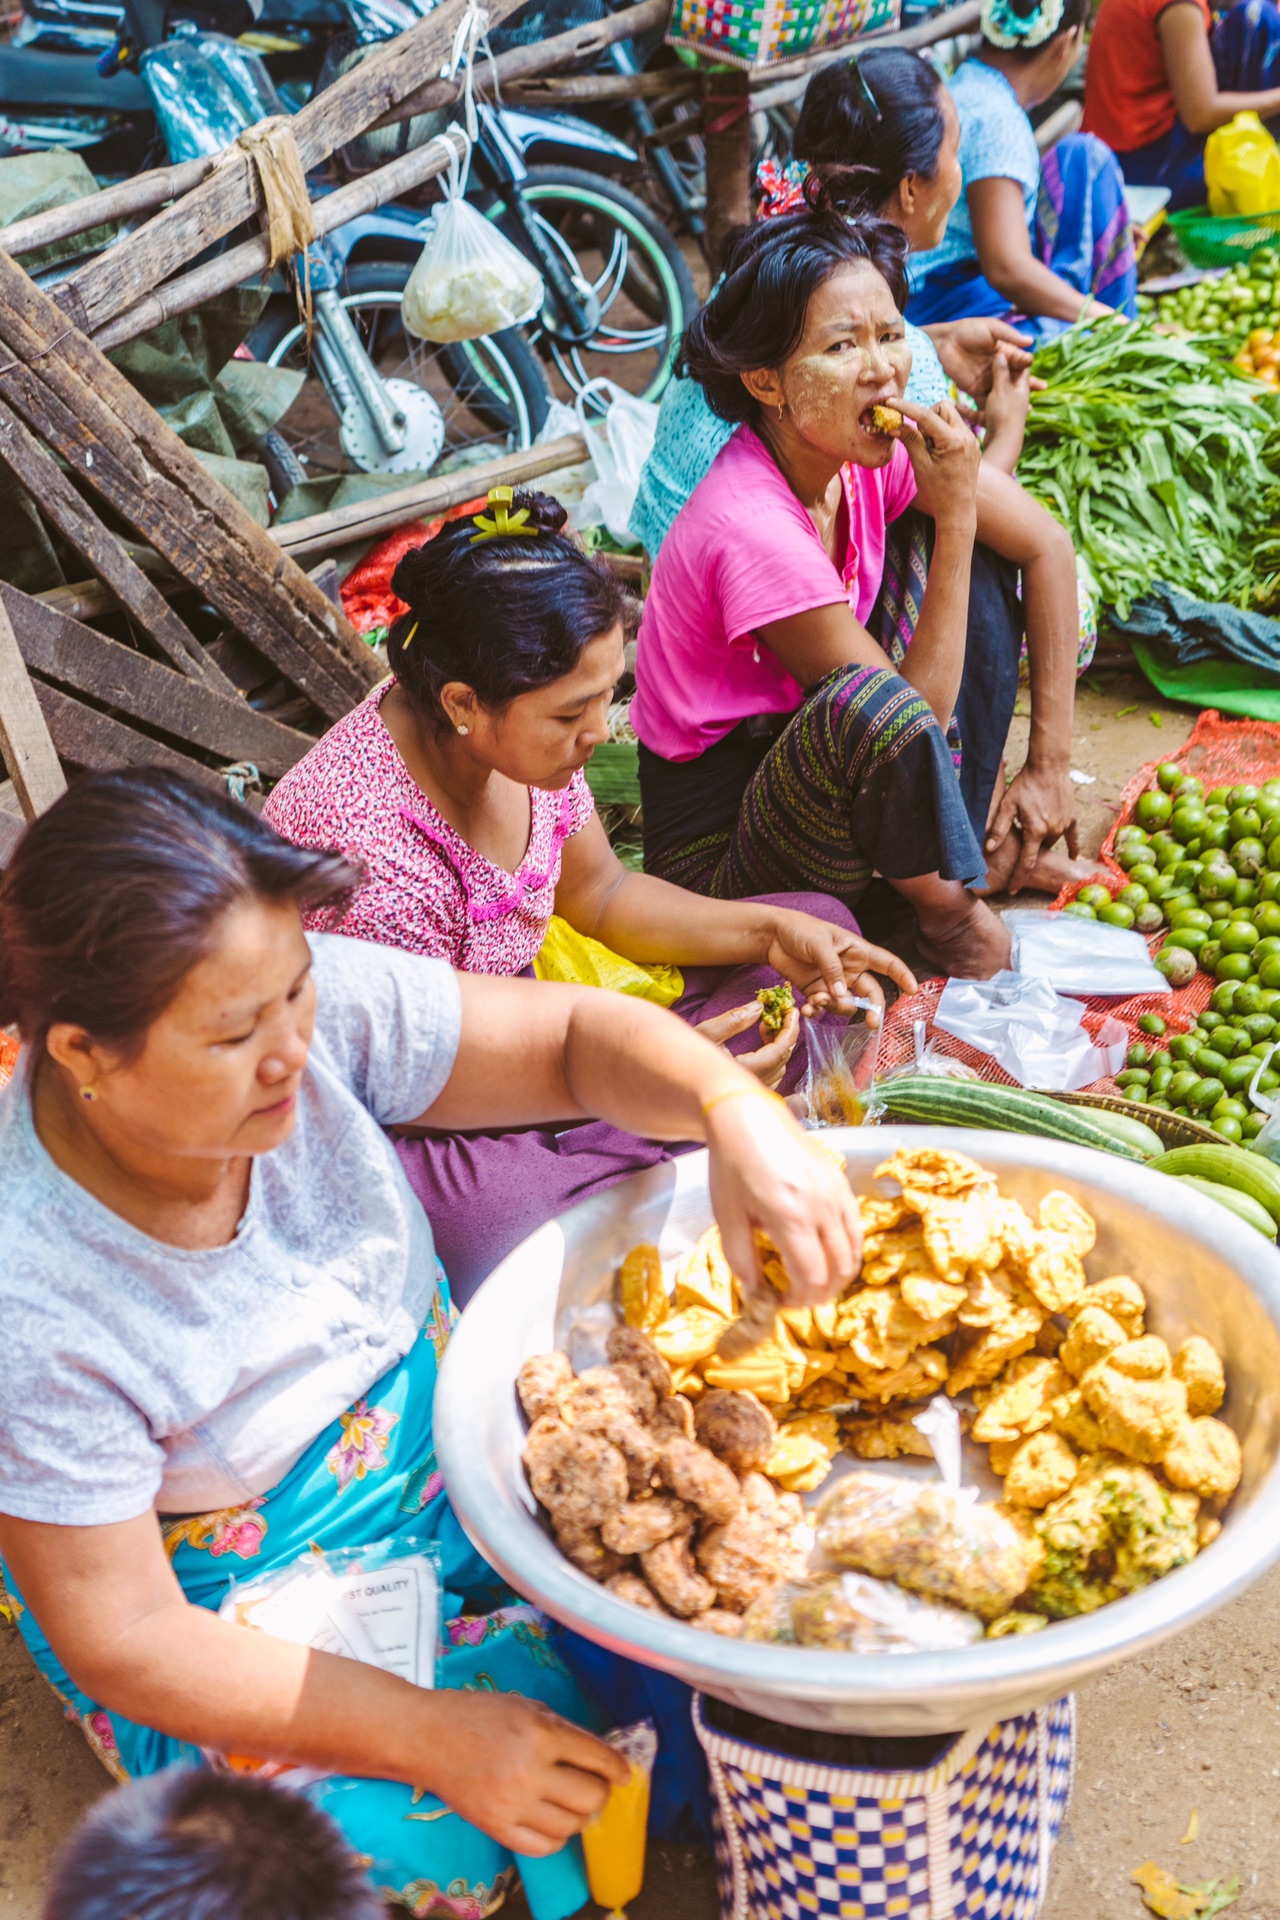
<point x="640" y="292"/>
<point x="468" y="400"/>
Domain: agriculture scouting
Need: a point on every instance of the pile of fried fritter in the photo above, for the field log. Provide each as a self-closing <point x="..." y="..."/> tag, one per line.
<point x="1114" y="1469"/>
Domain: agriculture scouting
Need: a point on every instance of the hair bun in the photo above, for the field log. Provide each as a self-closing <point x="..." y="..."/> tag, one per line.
<point x="544" y="510"/>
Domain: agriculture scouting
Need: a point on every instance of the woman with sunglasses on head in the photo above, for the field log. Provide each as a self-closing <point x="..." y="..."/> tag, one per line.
<point x="1045" y="240"/>
<point x="459" y="788"/>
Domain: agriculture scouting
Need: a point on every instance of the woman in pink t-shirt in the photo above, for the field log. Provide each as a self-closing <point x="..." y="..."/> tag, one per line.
<point x="781" y="744"/>
<point x="459" y="789"/>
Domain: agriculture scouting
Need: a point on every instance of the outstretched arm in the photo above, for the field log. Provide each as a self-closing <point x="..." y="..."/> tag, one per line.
<point x="1188" y="60"/>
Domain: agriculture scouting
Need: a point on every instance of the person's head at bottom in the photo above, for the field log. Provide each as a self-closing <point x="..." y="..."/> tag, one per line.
<point x="188" y="1844"/>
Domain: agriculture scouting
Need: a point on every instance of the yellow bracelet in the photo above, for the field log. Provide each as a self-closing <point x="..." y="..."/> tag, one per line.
<point x="741" y="1093"/>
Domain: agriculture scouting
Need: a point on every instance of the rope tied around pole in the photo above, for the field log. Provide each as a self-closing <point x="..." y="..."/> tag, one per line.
<point x="272" y="150"/>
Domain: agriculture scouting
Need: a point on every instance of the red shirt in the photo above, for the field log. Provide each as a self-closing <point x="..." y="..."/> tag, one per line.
<point x="1127" y="97"/>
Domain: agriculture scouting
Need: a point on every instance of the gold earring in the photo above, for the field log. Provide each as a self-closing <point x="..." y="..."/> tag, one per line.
<point x="464" y="729"/>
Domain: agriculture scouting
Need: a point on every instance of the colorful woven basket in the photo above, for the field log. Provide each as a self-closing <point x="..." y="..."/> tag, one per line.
<point x="970" y="1839"/>
<point x="759" y="33"/>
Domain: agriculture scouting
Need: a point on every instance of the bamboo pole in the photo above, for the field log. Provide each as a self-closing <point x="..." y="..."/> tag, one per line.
<point x="777" y="86"/>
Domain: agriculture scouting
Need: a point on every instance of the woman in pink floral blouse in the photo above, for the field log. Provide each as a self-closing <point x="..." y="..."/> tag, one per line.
<point x="459" y="788"/>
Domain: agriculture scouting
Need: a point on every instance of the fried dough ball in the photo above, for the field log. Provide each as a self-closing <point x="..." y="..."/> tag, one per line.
<point x="641" y="1524"/>
<point x="741" y="1558"/>
<point x="984" y="1352"/>
<point x="630" y="1586"/>
<point x="1018" y="1402"/>
<point x="605" y="1387"/>
<point x="1204" y="1459"/>
<point x="676" y="1412"/>
<point x="542" y="1383"/>
<point x="671" y="1573"/>
<point x="586" y="1549"/>
<point x="1137" y="1403"/>
<point x="1042" y="1469"/>
<point x="604" y="1406"/>
<point x="1199" y="1367"/>
<point x="581" y="1478"/>
<point x="1092" y="1336"/>
<point x="1070" y="1417"/>
<point x="1122" y="1298"/>
<point x="884" y="1436"/>
<point x="695" y="1475"/>
<point x="1055" y="1273"/>
<point x="627" y="1346"/>
<point x="1050" y="1338"/>
<point x="736" y="1427"/>
<point x="716" y="1620"/>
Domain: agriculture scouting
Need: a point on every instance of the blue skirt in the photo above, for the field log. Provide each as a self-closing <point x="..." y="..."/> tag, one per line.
<point x="372" y="1476"/>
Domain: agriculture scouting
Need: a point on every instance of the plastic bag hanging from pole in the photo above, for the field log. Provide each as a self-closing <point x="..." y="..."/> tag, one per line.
<point x="469" y="279"/>
<point x="619" y="453"/>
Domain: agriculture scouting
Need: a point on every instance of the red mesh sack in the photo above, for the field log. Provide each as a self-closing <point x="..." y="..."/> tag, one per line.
<point x="367" y="599"/>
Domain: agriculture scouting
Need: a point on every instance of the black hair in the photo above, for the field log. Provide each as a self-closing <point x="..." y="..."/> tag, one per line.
<point x="771" y="272"/>
<point x="114" y="894"/>
<point x="855" y="159"/>
<point x="1074" y="14"/>
<point x="188" y="1844"/>
<point x="501" y="614"/>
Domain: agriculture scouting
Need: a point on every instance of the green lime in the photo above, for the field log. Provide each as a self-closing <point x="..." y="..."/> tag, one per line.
<point x="1248" y="856"/>
<point x="1094" y="896"/>
<point x="1233" y="966"/>
<point x="1268" y="885"/>
<point x="1181" y="1085"/>
<point x="1229" y="1108"/>
<point x="1138" y="1055"/>
<point x="1187" y="872"/>
<point x="1189" y="788"/>
<point x="1189" y="917"/>
<point x="1194" y="848"/>
<point x="1243" y="797"/>
<point x="1229" y="1127"/>
<point x="1237" y="1074"/>
<point x="1160" y="1079"/>
<point x="1273" y="852"/>
<point x="1116" y="914"/>
<point x="1268" y="1080"/>
<point x="1151" y="1023"/>
<point x="1230" y="1041"/>
<point x="1187" y="820"/>
<point x="1220" y="797"/>
<point x="1239" y="936"/>
<point x="1177" y="965"/>
<point x="1133" y="896"/>
<point x="1146" y="873"/>
<point x="1179" y="902"/>
<point x="1078" y="912"/>
<point x="1246" y="893"/>
<point x="1192" y="938"/>
<point x="1266" y="917"/>
<point x="1245" y="824"/>
<point x="1216" y="836"/>
<point x="1270" y="1002"/>
<point x="1219" y="911"/>
<point x="1132" y="1079"/>
<point x="1269" y="973"/>
<point x="1204" y="1095"/>
<point x="1253" y="1126"/>
<point x="1258" y="1026"/>
<point x="1153" y="809"/>
<point x="1157" y="1100"/>
<point x="1218" y="881"/>
<point x="1210" y="1020"/>
<point x="1209" y="1062"/>
<point x="1168" y="774"/>
<point x="1157" y="842"/>
<point x="1223" y="998"/>
<point x="1263" y="951"/>
<point x="1128" y="854"/>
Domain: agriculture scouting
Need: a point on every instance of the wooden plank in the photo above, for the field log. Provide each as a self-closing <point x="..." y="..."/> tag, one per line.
<point x="58" y="499"/>
<point x="12" y="820"/>
<point x="29" y="753"/>
<point x="117" y="278"/>
<point x="82" y="661"/>
<point x="319" y="532"/>
<point x="91" y="739"/>
<point x="596" y="89"/>
<point x="88" y="413"/>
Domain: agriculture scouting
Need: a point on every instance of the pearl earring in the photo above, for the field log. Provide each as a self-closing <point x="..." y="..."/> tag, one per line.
<point x="464" y="729"/>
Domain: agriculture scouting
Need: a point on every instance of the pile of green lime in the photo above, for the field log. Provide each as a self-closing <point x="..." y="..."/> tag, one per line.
<point x="1225" y="306"/>
<point x="1207" y="866"/>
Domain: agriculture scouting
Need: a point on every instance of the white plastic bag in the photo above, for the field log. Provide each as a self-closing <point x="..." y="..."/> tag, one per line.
<point x="619" y="452"/>
<point x="1082" y="956"/>
<point x="469" y="279"/>
<point x="1031" y="1031"/>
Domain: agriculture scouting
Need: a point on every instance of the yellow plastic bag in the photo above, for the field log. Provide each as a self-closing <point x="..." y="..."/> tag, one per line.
<point x="569" y="955"/>
<point x="1242" y="168"/>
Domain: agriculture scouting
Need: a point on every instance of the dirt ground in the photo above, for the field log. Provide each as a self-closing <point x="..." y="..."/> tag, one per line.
<point x="1192" y="1727"/>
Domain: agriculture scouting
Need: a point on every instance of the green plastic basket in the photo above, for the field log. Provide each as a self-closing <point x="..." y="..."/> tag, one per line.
<point x="1212" y="240"/>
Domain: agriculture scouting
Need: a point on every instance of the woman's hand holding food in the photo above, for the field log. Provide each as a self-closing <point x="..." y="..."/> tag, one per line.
<point x="766" y="1175"/>
<point x="829" y="965"/>
<point x="522" y="1774"/>
<point x="944" y="458"/>
<point x="769" y="1062"/>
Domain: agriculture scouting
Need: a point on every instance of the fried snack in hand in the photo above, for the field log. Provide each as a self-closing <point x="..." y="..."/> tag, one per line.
<point x="580" y="1478"/>
<point x="742" y="1558"/>
<point x="886" y="420"/>
<point x="543" y="1382"/>
<point x="736" y="1427"/>
<point x="1199" y="1368"/>
<point x="1138" y="1404"/>
<point x="628" y="1347"/>
<point x="695" y="1475"/>
<point x="585" y="1547"/>
<point x="641" y="1524"/>
<point x="1042" y="1469"/>
<point x="1205" y="1459"/>
<point x="670" y="1571"/>
<point x="775" y="1004"/>
<point x="1093" y="1334"/>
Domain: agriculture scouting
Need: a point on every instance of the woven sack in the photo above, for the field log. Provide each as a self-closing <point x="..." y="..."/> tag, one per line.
<point x="970" y="1839"/>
